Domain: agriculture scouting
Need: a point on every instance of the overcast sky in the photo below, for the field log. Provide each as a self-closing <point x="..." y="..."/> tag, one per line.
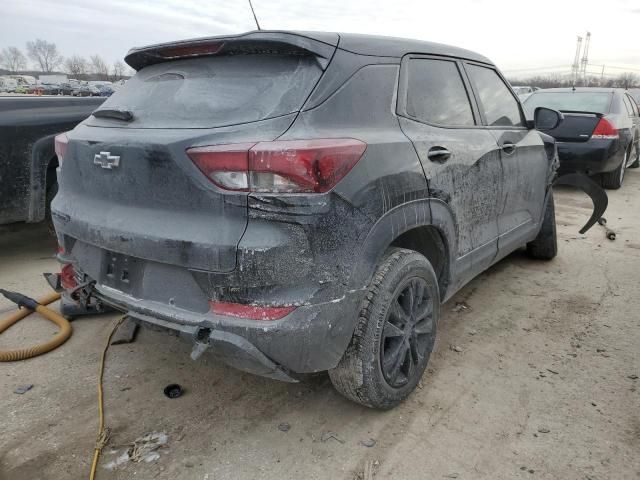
<point x="517" y="35"/>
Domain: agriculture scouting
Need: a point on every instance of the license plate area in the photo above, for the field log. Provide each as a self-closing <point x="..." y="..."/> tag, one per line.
<point x="121" y="272"/>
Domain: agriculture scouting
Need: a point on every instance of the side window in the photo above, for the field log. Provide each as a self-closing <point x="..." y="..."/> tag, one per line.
<point x="500" y="107"/>
<point x="436" y="93"/>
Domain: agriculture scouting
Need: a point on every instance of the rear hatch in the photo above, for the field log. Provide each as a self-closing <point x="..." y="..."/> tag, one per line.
<point x="127" y="185"/>
<point x="582" y="111"/>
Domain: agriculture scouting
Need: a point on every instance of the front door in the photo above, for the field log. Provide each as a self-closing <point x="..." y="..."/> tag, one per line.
<point x="525" y="163"/>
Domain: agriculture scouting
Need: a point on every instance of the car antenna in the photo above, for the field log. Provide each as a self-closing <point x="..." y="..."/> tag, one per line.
<point x="254" y="15"/>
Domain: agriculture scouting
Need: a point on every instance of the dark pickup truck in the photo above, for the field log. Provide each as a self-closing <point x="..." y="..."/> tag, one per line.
<point x="28" y="161"/>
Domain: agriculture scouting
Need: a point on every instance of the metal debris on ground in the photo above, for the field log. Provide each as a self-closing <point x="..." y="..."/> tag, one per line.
<point x="610" y="234"/>
<point x="284" y="427"/>
<point x="21" y="389"/>
<point x="460" y="306"/>
<point x="370" y="442"/>
<point x="329" y="435"/>
<point x="543" y="430"/>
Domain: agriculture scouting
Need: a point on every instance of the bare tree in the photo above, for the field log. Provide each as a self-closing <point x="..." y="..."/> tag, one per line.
<point x="76" y="66"/>
<point x="627" y="80"/>
<point x="118" y="70"/>
<point x="13" y="59"/>
<point x="99" y="67"/>
<point x="44" y="54"/>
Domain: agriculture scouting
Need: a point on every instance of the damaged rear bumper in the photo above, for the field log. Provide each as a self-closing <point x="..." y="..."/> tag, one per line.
<point x="312" y="338"/>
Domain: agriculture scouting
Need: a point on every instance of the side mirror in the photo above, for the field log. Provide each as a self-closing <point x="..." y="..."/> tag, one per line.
<point x="546" y="118"/>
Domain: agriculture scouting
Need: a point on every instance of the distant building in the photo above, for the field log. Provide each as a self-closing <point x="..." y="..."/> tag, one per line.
<point x="52" y="79"/>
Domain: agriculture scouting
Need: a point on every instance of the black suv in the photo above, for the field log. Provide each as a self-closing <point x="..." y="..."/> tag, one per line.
<point x="301" y="202"/>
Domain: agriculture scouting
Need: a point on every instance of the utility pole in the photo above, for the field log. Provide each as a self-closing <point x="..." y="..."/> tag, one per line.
<point x="602" y="76"/>
<point x="585" y="58"/>
<point x="576" y="59"/>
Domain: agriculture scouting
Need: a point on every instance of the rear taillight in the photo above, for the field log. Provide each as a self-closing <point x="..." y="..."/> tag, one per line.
<point x="68" y="277"/>
<point x="605" y="130"/>
<point x="61" y="143"/>
<point x="288" y="166"/>
<point x="251" y="312"/>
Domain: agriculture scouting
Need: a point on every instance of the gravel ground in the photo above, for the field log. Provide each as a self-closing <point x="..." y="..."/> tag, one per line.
<point x="535" y="375"/>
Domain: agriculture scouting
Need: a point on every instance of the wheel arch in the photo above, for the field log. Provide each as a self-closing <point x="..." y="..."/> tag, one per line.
<point x="43" y="165"/>
<point x="426" y="226"/>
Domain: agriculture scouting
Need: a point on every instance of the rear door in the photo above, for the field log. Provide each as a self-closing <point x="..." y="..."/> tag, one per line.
<point x="460" y="158"/>
<point x="524" y="162"/>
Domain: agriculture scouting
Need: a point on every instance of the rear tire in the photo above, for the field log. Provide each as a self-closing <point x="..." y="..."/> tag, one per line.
<point x="395" y="333"/>
<point x="636" y="164"/>
<point x="545" y="245"/>
<point x="613" y="180"/>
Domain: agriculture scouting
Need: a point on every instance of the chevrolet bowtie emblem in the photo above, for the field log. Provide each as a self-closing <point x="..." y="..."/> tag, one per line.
<point x="106" y="160"/>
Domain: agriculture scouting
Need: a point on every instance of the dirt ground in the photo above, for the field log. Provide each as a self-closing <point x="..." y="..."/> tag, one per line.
<point x="535" y="375"/>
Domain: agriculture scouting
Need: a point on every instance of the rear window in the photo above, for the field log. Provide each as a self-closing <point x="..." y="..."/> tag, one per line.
<point x="214" y="91"/>
<point x="570" y="101"/>
<point x="436" y="93"/>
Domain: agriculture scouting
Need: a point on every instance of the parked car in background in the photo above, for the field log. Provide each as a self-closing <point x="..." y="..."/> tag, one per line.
<point x="308" y="207"/>
<point x="28" y="161"/>
<point x="81" y="90"/>
<point x="8" y="84"/>
<point x="524" y="92"/>
<point x="600" y="134"/>
<point x="105" y="90"/>
<point x="66" y="89"/>
<point x="21" y="89"/>
<point x="42" y="89"/>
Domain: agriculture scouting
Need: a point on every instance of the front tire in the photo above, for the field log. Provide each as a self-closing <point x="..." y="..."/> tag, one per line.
<point x="395" y="333"/>
<point x="545" y="245"/>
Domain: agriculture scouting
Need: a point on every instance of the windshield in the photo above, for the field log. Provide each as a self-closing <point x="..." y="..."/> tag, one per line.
<point x="214" y="91"/>
<point x="597" y="102"/>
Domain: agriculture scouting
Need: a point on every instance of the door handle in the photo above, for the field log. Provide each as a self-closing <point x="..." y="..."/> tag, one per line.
<point x="438" y="154"/>
<point x="508" y="148"/>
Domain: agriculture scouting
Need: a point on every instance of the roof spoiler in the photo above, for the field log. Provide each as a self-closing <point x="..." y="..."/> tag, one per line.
<point x="582" y="112"/>
<point x="247" y="43"/>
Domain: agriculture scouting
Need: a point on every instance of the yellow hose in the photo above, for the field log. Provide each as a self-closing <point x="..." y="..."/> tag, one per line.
<point x="103" y="432"/>
<point x="58" y="339"/>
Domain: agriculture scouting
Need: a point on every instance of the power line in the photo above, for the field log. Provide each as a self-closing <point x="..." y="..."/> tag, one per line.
<point x="534" y="68"/>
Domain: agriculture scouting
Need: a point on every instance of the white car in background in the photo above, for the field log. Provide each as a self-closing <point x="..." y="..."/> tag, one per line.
<point x="524" y="92"/>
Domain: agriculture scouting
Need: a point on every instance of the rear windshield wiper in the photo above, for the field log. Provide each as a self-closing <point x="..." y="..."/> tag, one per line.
<point x="124" y="115"/>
